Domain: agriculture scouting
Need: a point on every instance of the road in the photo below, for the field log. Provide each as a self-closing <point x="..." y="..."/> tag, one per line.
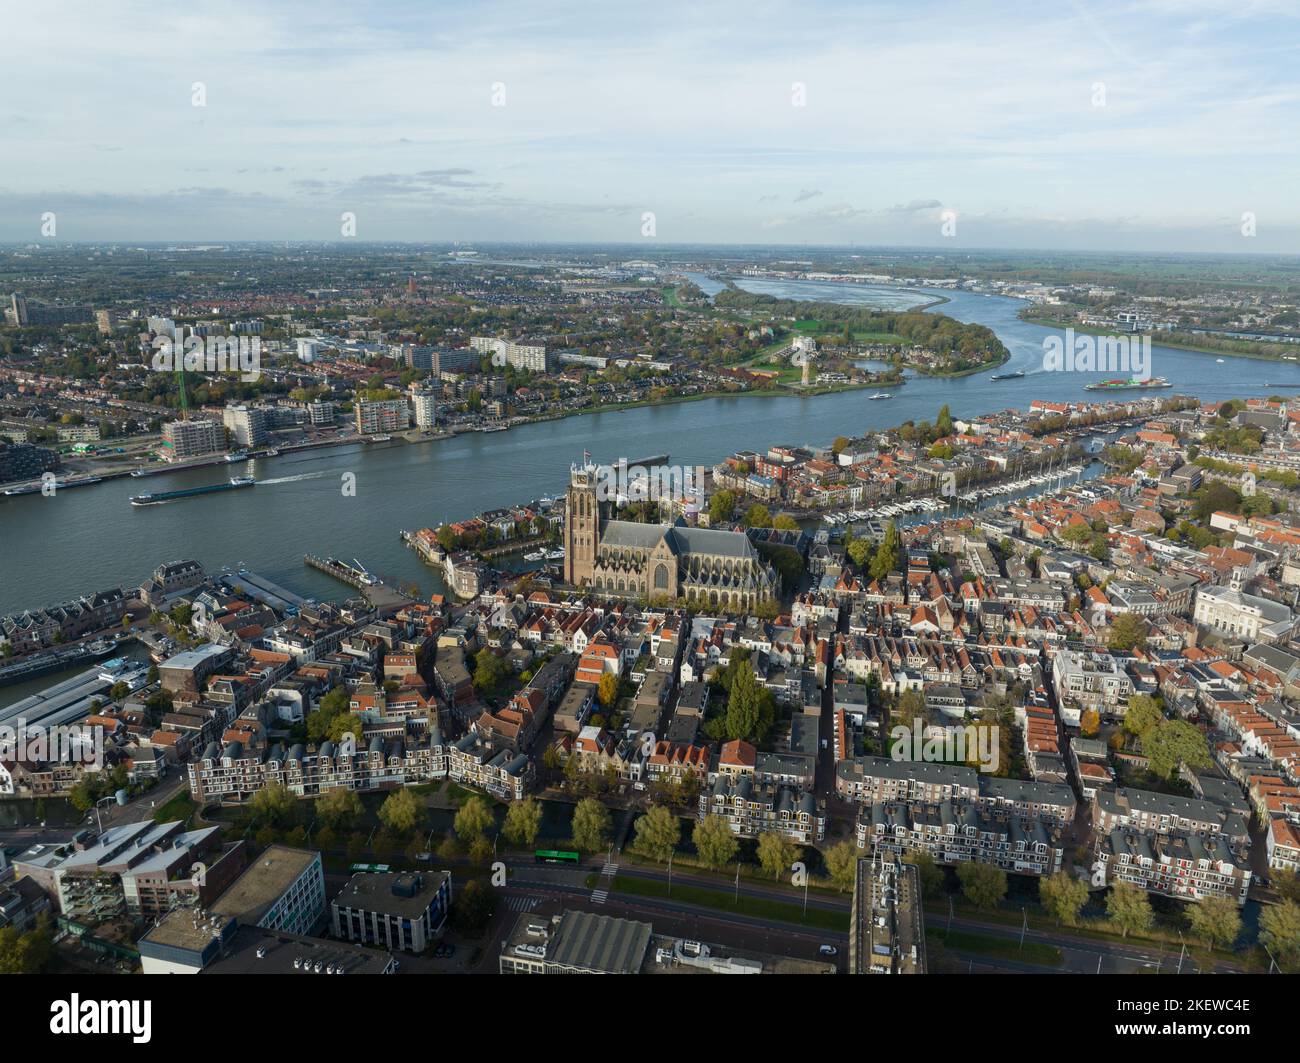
<point x="110" y="814"/>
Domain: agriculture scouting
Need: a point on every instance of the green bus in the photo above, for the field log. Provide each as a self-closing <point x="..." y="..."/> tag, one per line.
<point x="557" y="856"/>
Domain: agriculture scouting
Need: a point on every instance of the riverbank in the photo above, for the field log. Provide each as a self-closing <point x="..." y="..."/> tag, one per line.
<point x="1181" y="345"/>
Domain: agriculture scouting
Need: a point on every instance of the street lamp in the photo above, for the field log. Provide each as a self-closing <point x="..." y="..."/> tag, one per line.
<point x="99" y="822"/>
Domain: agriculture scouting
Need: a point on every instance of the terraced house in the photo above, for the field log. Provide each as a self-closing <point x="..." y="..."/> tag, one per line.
<point x="955" y="832"/>
<point x="232" y="773"/>
<point x="752" y="808"/>
<point x="1176" y="846"/>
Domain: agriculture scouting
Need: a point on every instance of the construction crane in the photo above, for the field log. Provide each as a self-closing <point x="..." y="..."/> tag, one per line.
<point x="180" y="384"/>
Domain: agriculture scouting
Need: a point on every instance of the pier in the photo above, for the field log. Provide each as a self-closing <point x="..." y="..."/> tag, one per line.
<point x="265" y="591"/>
<point x="383" y="597"/>
<point x="353" y="575"/>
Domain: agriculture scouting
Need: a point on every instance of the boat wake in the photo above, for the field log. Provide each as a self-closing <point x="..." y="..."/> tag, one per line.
<point x="293" y="479"/>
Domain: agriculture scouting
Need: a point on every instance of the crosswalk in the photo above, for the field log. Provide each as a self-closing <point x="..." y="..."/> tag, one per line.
<point x="605" y="883"/>
<point x="521" y="904"/>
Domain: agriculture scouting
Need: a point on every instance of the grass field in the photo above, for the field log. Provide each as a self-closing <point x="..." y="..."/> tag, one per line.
<point x="1004" y="948"/>
<point x="756" y="907"/>
<point x="180" y="807"/>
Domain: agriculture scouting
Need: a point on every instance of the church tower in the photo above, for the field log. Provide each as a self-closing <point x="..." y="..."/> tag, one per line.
<point x="581" y="525"/>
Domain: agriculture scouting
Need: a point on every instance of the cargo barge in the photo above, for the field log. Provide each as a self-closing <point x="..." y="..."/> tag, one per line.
<point x="158" y="497"/>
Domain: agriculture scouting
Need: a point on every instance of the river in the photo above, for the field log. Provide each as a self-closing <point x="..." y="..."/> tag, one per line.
<point x="90" y="538"/>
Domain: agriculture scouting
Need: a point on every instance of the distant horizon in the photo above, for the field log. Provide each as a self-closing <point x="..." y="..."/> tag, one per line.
<point x="212" y="243"/>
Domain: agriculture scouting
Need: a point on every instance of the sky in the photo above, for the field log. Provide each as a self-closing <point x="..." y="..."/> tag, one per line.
<point x="1078" y="124"/>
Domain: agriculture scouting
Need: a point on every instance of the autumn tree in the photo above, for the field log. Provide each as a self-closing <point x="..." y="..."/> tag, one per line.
<point x="657" y="834"/>
<point x="983" y="884"/>
<point x="607" y="690"/>
<point x="776" y="853"/>
<point x="715" y="842"/>
<point x="591" y="825"/>
<point x="1129" y="908"/>
<point x="1063" y="895"/>
<point x="523" y="822"/>
<point x="473" y="818"/>
<point x="842" y="864"/>
<point x="273" y="802"/>
<point x="401" y="812"/>
<point x="1216" y="921"/>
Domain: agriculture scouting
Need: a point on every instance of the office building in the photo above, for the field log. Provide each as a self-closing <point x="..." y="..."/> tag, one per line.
<point x="400" y="911"/>
<point x="282" y="889"/>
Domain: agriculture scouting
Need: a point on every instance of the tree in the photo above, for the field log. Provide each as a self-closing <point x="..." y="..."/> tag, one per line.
<point x="1063" y="895"/>
<point x="591" y="825"/>
<point x="401" y="812"/>
<point x="1279" y="932"/>
<point x="722" y="507"/>
<point x="983" y="884"/>
<point x="1127" y="632"/>
<point x="1089" y="723"/>
<point x="757" y="516"/>
<point x="340" y="808"/>
<point x="1173" y="743"/>
<point x="480" y="850"/>
<point x="715" y="842"/>
<point x="751" y="708"/>
<point x="473" y="818"/>
<point x="356" y="846"/>
<point x="345" y="724"/>
<point x="776" y="853"/>
<point x="475" y="905"/>
<point x="490" y="671"/>
<point x="1143" y="714"/>
<point x="26" y="952"/>
<point x="1129" y="908"/>
<point x="1216" y="921"/>
<point x="842" y="863"/>
<point x="930" y="872"/>
<point x="607" y="689"/>
<point x="272" y="802"/>
<point x="859" y="551"/>
<point x="889" y="554"/>
<point x="384" y="846"/>
<point x="943" y="423"/>
<point x="657" y="834"/>
<point x="910" y="706"/>
<point x="1287" y="884"/>
<point x="523" y="822"/>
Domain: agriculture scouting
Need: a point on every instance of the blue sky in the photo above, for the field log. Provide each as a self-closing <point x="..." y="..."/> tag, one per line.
<point x="1080" y="124"/>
